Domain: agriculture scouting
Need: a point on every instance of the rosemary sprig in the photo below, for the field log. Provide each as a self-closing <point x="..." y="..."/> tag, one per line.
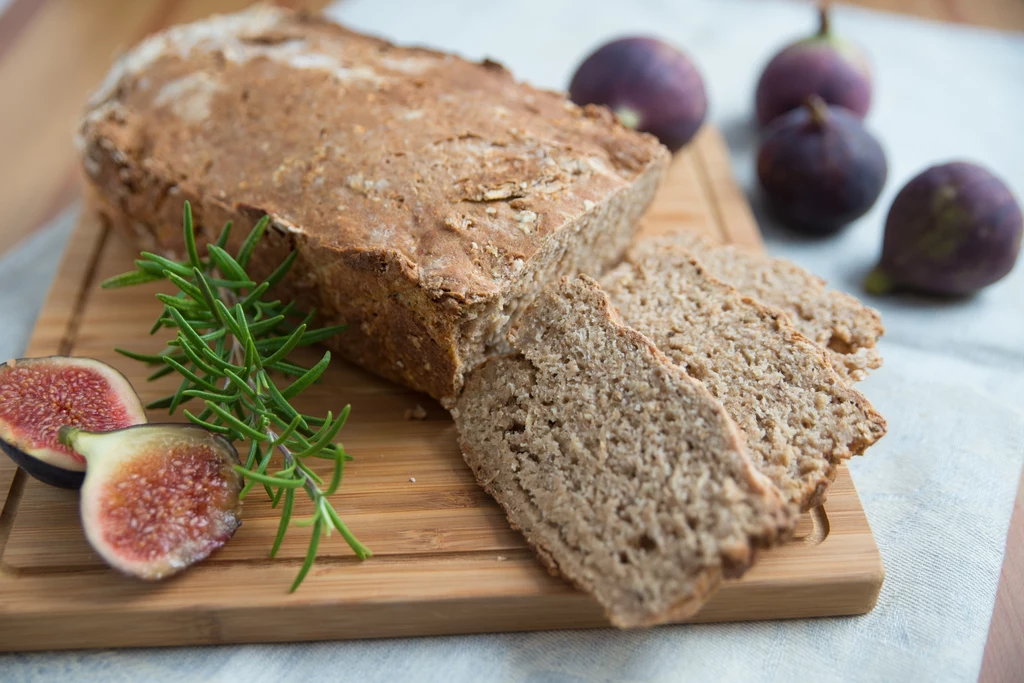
<point x="228" y="340"/>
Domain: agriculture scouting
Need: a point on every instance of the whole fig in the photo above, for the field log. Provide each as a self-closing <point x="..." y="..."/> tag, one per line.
<point x="819" y="168"/>
<point x="952" y="230"/>
<point x="822" y="64"/>
<point x="648" y="84"/>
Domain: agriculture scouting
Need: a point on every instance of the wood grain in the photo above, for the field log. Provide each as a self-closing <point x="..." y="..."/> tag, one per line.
<point x="446" y="560"/>
<point x="1004" y="654"/>
<point x="1007" y="15"/>
<point x="53" y="334"/>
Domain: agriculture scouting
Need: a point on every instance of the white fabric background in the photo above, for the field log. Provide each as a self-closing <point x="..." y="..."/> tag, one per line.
<point x="938" y="489"/>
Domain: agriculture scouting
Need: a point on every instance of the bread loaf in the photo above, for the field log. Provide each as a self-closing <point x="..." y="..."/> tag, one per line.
<point x="623" y="472"/>
<point x="800" y="419"/>
<point x="429" y="198"/>
<point x="838" y="322"/>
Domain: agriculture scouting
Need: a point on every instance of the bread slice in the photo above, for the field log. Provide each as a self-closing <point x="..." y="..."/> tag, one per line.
<point x="428" y="197"/>
<point x="624" y="473"/>
<point x="838" y="322"/>
<point x="800" y="419"/>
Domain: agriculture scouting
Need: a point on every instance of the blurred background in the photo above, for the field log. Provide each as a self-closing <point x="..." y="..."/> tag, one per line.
<point x="53" y="52"/>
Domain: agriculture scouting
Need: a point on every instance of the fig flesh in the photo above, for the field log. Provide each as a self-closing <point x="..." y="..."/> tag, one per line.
<point x="820" y="169"/>
<point x="648" y="84"/>
<point x="157" y="498"/>
<point x="952" y="230"/>
<point x="38" y="396"/>
<point x="824" y="65"/>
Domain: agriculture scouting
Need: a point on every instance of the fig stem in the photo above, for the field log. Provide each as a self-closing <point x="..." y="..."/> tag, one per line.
<point x="818" y="109"/>
<point x="628" y="117"/>
<point x="824" y="18"/>
<point x="878" y="282"/>
<point x="66" y="434"/>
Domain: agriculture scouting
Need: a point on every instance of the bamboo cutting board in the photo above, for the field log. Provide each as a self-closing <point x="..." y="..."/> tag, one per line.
<point x="445" y="558"/>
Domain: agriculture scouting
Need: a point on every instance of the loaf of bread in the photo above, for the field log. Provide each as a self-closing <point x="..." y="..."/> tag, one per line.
<point x="429" y="198"/>
<point x="800" y="419"/>
<point x="623" y="472"/>
<point x="838" y="322"/>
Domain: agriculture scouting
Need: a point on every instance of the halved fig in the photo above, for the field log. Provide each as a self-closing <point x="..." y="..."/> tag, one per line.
<point x="157" y="498"/>
<point x="38" y="396"/>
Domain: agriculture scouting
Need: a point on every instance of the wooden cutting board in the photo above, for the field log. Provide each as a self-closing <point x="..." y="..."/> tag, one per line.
<point x="445" y="558"/>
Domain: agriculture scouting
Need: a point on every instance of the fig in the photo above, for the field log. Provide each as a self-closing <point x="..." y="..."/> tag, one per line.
<point x="648" y="84"/>
<point x="38" y="396"/>
<point x="822" y="64"/>
<point x="819" y="168"/>
<point x="159" y="497"/>
<point x="952" y="230"/>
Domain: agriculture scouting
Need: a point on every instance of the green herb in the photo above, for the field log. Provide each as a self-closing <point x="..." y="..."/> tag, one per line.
<point x="229" y="339"/>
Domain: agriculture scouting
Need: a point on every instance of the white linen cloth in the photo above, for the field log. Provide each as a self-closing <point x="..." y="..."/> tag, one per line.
<point x="938" y="489"/>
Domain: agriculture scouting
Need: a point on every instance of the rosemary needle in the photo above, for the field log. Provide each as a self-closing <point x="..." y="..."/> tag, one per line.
<point x="227" y="339"/>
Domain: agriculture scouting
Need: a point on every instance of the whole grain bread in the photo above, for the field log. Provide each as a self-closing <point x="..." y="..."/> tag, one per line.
<point x="838" y="322"/>
<point x="623" y="472"/>
<point x="800" y="419"/>
<point x="429" y="198"/>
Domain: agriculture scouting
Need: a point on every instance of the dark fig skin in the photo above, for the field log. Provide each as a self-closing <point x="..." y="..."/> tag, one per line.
<point x="820" y="169"/>
<point x="824" y="65"/>
<point x="48" y="474"/>
<point x="40" y="395"/>
<point x="649" y="85"/>
<point x="951" y="231"/>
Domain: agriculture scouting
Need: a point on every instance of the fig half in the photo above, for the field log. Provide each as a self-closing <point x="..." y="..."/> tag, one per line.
<point x="157" y="498"/>
<point x="38" y="396"/>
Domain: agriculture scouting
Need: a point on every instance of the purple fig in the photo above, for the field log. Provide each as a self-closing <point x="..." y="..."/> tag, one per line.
<point x="952" y="230"/>
<point x="819" y="168"/>
<point x="649" y="85"/>
<point x="824" y="65"/>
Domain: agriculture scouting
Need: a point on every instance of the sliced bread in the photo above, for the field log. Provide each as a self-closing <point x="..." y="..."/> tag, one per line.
<point x="838" y="322"/>
<point x="624" y="473"/>
<point x="800" y="419"/>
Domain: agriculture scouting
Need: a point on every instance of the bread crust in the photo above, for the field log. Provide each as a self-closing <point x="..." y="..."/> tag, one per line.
<point x="428" y="197"/>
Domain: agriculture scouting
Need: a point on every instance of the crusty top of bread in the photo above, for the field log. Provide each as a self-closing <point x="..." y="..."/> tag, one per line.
<point x="451" y="164"/>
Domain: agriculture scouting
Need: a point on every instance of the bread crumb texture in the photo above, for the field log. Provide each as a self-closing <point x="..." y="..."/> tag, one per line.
<point x="416" y="413"/>
<point x="846" y="328"/>
<point x="799" y="418"/>
<point x="623" y="472"/>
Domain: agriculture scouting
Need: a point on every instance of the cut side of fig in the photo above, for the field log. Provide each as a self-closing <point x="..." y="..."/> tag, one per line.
<point x="157" y="498"/>
<point x="38" y="396"/>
